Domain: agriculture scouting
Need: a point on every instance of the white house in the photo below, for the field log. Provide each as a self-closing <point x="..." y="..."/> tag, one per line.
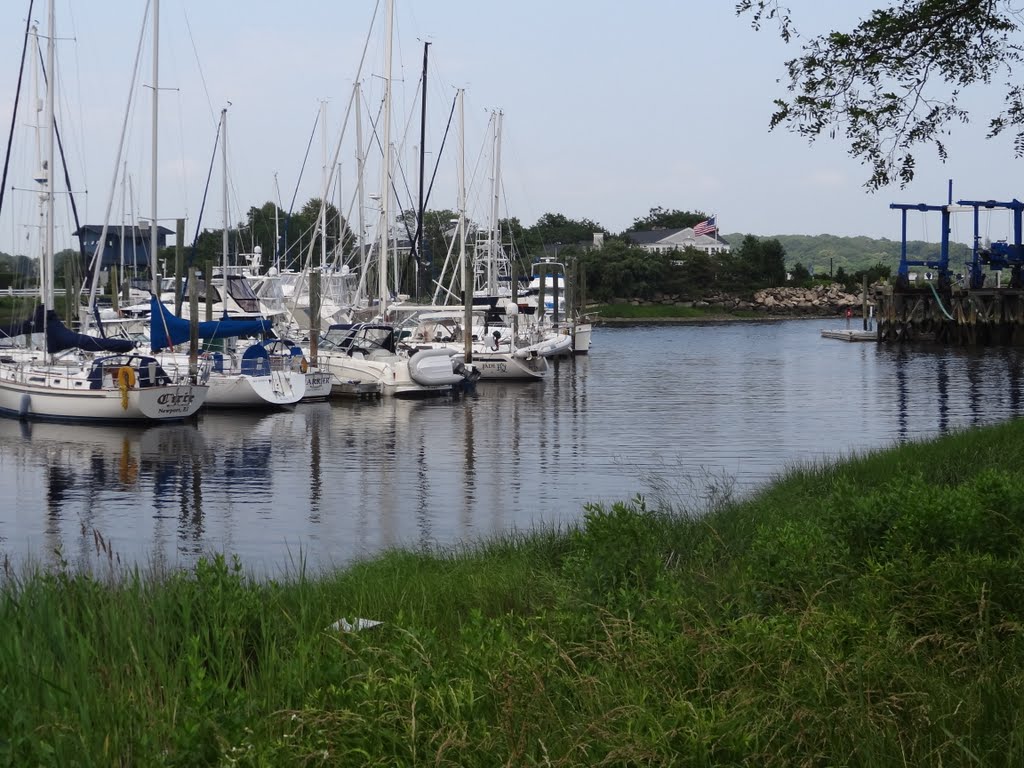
<point x="667" y="240"/>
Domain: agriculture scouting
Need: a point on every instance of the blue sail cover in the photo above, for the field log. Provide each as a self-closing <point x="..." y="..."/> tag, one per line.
<point x="167" y="329"/>
<point x="59" y="337"/>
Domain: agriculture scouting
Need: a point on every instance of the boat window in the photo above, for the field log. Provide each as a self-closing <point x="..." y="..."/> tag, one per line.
<point x="241" y="291"/>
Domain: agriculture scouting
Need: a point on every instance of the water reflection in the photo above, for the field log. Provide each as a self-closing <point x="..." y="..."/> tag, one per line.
<point x="83" y="471"/>
<point x="331" y="482"/>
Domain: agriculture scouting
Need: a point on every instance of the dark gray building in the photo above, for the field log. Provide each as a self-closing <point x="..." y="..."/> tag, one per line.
<point x="136" y="243"/>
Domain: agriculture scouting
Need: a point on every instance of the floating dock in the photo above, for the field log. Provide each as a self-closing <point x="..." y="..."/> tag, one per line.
<point x="849" y="334"/>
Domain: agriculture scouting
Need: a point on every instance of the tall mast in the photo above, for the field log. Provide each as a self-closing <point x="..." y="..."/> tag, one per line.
<point x="495" y="238"/>
<point x="46" y="270"/>
<point x="224" y="195"/>
<point x="385" y="192"/>
<point x="277" y="231"/>
<point x="418" y="244"/>
<point x="467" y="270"/>
<point x="360" y="168"/>
<point x="326" y="181"/>
<point x="153" y="224"/>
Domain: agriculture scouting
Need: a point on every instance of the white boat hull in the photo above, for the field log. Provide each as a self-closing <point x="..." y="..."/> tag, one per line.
<point x="48" y="395"/>
<point x="239" y="390"/>
<point x="318" y="384"/>
<point x="390" y="377"/>
<point x="504" y="366"/>
<point x="581" y="338"/>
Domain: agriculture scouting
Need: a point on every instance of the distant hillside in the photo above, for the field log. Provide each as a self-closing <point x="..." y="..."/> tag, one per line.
<point x="819" y="253"/>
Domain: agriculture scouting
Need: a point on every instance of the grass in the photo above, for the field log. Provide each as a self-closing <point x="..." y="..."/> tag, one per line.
<point x="864" y="614"/>
<point x="669" y="312"/>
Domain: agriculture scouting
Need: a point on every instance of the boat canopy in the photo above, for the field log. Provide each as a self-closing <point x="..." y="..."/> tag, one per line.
<point x="167" y="329"/>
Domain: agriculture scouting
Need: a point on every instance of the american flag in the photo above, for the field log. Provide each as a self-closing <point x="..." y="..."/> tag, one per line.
<point x="706" y="227"/>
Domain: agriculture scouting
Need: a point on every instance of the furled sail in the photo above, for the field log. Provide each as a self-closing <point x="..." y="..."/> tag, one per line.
<point x="167" y="329"/>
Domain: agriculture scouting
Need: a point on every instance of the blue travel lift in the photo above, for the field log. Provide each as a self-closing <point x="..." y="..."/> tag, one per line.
<point x="995" y="256"/>
<point x="1000" y="255"/>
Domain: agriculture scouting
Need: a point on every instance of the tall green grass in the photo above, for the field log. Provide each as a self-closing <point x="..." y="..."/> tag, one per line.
<point x="866" y="614"/>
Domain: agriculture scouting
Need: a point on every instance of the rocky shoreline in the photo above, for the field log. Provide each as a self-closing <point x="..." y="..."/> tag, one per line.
<point x="765" y="304"/>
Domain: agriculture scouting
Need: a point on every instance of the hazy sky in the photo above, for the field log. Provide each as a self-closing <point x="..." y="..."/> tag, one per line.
<point x="610" y="109"/>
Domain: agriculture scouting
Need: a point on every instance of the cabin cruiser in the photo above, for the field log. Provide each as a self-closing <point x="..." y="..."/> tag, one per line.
<point x="368" y="354"/>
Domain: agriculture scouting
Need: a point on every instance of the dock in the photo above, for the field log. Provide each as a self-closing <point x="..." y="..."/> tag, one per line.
<point x="849" y="334"/>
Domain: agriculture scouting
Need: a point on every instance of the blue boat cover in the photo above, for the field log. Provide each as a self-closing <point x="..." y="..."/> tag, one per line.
<point x="59" y="337"/>
<point x="167" y="329"/>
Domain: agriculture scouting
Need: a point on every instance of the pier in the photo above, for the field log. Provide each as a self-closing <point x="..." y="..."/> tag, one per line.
<point x="961" y="317"/>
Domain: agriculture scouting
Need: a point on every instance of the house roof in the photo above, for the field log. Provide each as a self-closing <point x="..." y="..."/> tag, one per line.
<point x="134" y="233"/>
<point x="672" y="237"/>
<point x="651" y="236"/>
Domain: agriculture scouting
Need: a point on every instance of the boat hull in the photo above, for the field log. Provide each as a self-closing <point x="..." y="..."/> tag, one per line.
<point x="319" y="384"/>
<point x="581" y="338"/>
<point x="390" y="377"/>
<point x="279" y="389"/>
<point x="57" y="397"/>
<point x="503" y="366"/>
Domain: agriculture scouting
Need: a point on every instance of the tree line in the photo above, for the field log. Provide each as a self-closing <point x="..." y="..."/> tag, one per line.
<point x="616" y="269"/>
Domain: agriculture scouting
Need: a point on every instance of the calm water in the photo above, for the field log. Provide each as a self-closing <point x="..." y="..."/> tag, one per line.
<point x="666" y="411"/>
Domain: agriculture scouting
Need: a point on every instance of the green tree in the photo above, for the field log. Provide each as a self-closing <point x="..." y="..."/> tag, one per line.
<point x="661" y="218"/>
<point x="557" y="228"/>
<point x="764" y="261"/>
<point x="895" y="81"/>
<point x="621" y="270"/>
<point x="800" y="275"/>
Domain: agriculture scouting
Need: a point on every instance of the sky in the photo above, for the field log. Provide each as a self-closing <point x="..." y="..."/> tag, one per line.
<point x="608" y="109"/>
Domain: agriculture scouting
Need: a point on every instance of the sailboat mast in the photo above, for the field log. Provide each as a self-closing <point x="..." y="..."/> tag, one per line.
<point x="467" y="269"/>
<point x="495" y="244"/>
<point x="418" y="245"/>
<point x="46" y="266"/>
<point x="385" y="192"/>
<point x="360" y="170"/>
<point x="224" y="200"/>
<point x="277" y="231"/>
<point x="325" y="179"/>
<point x="153" y="224"/>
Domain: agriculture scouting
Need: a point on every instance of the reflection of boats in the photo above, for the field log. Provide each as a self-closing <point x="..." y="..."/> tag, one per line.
<point x="124" y="450"/>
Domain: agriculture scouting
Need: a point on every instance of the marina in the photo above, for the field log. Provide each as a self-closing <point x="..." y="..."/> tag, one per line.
<point x="694" y="411"/>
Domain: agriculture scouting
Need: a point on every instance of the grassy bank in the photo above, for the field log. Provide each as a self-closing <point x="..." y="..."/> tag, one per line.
<point x="869" y="614"/>
<point x="669" y="313"/>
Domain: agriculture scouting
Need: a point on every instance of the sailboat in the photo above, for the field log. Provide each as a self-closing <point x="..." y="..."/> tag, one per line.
<point x="62" y="379"/>
<point x="253" y="379"/>
<point x="366" y="354"/>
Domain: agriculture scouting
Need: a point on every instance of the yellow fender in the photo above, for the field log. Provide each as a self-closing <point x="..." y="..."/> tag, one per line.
<point x="125" y="381"/>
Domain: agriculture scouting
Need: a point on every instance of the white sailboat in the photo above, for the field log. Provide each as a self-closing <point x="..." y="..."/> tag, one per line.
<point x="249" y="379"/>
<point x="366" y="354"/>
<point x="60" y="379"/>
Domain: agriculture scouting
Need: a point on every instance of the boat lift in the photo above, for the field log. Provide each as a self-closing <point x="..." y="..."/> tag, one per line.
<point x="1000" y="255"/>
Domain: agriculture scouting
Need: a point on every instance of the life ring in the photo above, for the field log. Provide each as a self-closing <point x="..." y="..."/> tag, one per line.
<point x="125" y="381"/>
